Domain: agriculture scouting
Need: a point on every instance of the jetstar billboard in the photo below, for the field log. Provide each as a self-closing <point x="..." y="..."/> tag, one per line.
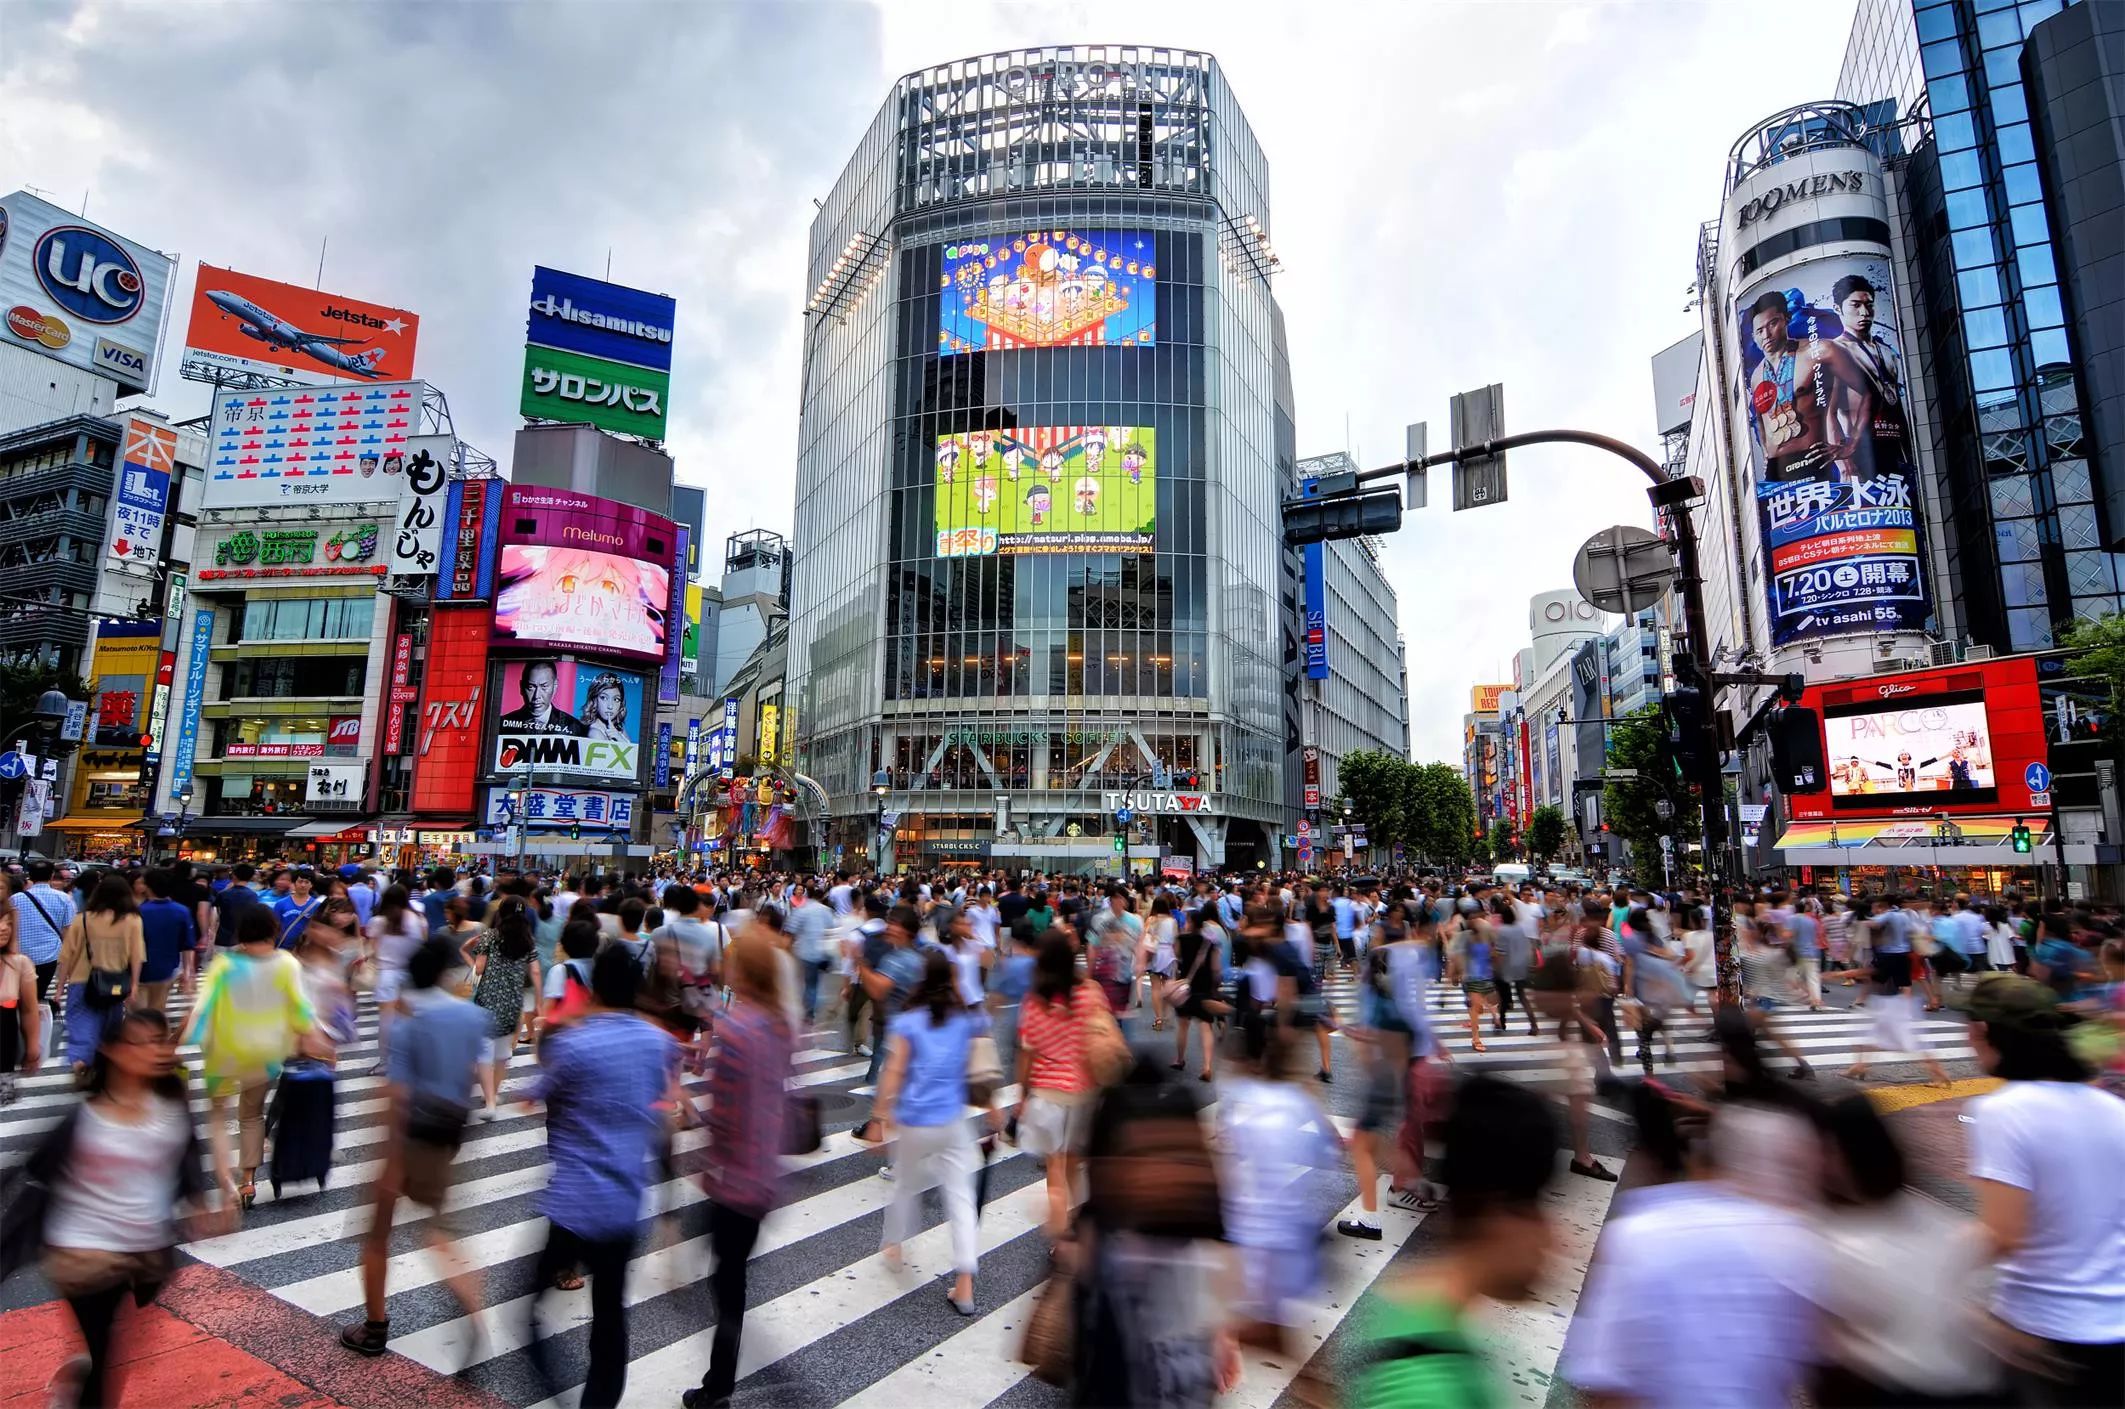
<point x="242" y="323"/>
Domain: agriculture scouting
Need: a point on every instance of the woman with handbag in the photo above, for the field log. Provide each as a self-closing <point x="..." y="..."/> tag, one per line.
<point x="1052" y="1071"/>
<point x="1157" y="955"/>
<point x="925" y="1089"/>
<point x="504" y="959"/>
<point x="99" y="1200"/>
<point x="1193" y="997"/>
<point x="99" y="962"/>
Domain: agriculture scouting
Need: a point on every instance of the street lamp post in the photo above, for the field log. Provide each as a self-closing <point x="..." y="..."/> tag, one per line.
<point x="44" y="720"/>
<point x="1350" y="845"/>
<point x="881" y="788"/>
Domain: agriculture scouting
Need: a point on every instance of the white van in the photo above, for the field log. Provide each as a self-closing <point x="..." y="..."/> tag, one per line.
<point x="1511" y="874"/>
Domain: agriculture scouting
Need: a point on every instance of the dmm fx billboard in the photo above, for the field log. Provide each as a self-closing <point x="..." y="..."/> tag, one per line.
<point x="147" y="452"/>
<point x="598" y="353"/>
<point x="447" y="731"/>
<point x="242" y="323"/>
<point x="296" y="445"/>
<point x="1830" y="445"/>
<point x="568" y="716"/>
<point x="75" y="292"/>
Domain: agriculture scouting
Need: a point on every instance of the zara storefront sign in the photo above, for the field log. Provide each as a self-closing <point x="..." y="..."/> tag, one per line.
<point x="1155" y="802"/>
<point x="1822" y="183"/>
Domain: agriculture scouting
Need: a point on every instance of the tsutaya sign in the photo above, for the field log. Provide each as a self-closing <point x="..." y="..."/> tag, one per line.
<point x="1155" y="802"/>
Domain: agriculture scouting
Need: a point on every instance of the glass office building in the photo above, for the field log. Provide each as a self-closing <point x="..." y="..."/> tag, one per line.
<point x="1045" y="433"/>
<point x="2016" y="458"/>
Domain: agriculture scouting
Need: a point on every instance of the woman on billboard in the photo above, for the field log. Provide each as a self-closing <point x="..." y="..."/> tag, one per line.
<point x="605" y="709"/>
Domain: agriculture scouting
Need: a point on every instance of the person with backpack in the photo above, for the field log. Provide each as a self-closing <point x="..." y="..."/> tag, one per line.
<point x="567" y="985"/>
<point x="251" y="1013"/>
<point x="434" y="1053"/>
<point x="231" y="901"/>
<point x="99" y="963"/>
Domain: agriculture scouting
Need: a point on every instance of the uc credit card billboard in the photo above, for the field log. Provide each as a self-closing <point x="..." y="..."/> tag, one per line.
<point x="243" y="323"/>
<point x="77" y="293"/>
<point x="598" y="352"/>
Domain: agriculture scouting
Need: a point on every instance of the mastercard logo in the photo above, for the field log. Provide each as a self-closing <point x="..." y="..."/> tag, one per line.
<point x="33" y="326"/>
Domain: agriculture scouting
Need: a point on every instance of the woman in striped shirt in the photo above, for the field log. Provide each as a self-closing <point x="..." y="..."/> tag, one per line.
<point x="1051" y="1071"/>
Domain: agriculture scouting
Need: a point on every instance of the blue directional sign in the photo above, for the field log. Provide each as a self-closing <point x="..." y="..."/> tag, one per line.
<point x="1122" y="815"/>
<point x="2036" y="775"/>
<point x="13" y="766"/>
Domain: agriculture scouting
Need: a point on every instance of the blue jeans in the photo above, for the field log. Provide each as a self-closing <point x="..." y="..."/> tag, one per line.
<point x="814" y="970"/>
<point x="86" y="1027"/>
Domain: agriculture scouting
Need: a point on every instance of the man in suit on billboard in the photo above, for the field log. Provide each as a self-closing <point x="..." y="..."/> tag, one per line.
<point x="537" y="715"/>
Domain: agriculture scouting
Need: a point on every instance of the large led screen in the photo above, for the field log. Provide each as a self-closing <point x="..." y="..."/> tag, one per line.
<point x="568" y="716"/>
<point x="1047" y="489"/>
<point x="1938" y="747"/>
<point x="581" y="598"/>
<point x="1048" y="288"/>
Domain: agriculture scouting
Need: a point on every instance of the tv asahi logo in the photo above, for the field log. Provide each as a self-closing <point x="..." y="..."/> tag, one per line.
<point x="1807" y="188"/>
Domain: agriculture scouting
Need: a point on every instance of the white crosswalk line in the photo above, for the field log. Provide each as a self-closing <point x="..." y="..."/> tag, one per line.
<point x="972" y="1367"/>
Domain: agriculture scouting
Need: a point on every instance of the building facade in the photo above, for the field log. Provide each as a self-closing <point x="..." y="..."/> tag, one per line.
<point x="1044" y="436"/>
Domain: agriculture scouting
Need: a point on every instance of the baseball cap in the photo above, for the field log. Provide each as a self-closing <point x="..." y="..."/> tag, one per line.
<point x="2010" y="1000"/>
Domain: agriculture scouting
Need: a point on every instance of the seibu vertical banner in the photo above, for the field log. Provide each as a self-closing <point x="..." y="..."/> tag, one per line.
<point x="447" y="734"/>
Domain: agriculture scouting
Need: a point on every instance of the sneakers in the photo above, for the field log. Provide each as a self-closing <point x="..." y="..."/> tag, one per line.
<point x="1323" y="1077"/>
<point x="1592" y="1169"/>
<point x="1358" y="1228"/>
<point x="366" y="1337"/>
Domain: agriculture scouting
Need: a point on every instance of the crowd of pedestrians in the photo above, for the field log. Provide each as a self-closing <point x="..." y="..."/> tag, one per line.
<point x="1033" y="1013"/>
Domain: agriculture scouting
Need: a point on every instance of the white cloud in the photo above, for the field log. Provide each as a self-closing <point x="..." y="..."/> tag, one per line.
<point x="1462" y="194"/>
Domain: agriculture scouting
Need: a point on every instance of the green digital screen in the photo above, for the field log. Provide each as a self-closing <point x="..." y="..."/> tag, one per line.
<point x="1047" y="489"/>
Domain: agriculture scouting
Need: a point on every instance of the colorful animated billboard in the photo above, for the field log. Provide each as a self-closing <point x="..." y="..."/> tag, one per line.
<point x="1048" y="288"/>
<point x="1046" y="489"/>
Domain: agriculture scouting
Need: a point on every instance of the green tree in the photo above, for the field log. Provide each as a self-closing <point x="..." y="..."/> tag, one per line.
<point x="1639" y="741"/>
<point x="1501" y="843"/>
<point x="1545" y="833"/>
<point x="23" y="683"/>
<point x="2099" y="656"/>
<point x="1439" y="814"/>
<point x="1375" y="783"/>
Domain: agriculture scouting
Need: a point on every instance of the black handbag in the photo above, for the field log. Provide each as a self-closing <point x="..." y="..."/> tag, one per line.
<point x="436" y="1120"/>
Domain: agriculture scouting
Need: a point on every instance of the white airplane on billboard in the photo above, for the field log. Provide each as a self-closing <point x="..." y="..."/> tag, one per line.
<point x="257" y="323"/>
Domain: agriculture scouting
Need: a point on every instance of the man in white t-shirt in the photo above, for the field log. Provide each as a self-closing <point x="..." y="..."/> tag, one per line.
<point x="2045" y="1153"/>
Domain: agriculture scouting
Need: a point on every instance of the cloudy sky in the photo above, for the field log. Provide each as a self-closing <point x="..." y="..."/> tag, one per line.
<point x="1461" y="194"/>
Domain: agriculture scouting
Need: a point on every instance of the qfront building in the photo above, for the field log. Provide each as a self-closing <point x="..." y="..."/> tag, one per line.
<point x="1045" y="432"/>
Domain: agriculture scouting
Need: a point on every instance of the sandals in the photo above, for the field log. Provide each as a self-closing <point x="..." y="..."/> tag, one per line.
<point x="570" y="1280"/>
<point x="247" y="1193"/>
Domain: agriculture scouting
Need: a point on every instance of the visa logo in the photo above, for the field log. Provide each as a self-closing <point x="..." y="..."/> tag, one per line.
<point x="116" y="357"/>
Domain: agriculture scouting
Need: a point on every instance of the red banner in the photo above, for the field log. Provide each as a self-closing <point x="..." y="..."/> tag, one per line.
<point x="447" y="733"/>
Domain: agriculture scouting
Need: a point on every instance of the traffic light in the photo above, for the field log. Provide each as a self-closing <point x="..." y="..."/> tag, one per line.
<point x="575" y="831"/>
<point x="2020" y="836"/>
<point x="1693" y="753"/>
<point x="1320" y="520"/>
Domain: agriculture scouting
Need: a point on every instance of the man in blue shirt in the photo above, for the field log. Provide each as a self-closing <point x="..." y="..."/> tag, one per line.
<point x="1346" y="923"/>
<point x="294" y="909"/>
<point x="436" y="1043"/>
<point x="167" y="930"/>
<point x="887" y="980"/>
<point x="603" y="1079"/>
<point x="231" y="902"/>
<point x="361" y="890"/>
<point x="42" y="913"/>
